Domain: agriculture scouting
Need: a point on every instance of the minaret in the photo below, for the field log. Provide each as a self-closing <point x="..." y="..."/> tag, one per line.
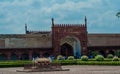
<point x="26" y="28"/>
<point x="52" y="32"/>
<point x="52" y="22"/>
<point x="85" y="21"/>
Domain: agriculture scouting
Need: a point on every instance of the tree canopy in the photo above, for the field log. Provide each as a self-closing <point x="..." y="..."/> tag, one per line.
<point x="118" y="14"/>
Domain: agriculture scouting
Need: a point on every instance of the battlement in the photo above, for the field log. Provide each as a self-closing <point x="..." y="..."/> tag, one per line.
<point x="69" y="25"/>
<point x="38" y="32"/>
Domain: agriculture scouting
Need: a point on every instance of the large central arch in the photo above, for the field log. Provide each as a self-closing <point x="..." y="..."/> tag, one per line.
<point x="66" y="50"/>
<point x="70" y="46"/>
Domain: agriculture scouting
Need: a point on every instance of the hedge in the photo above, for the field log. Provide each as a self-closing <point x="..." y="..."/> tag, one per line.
<point x="79" y="62"/>
<point x="13" y="63"/>
<point x="62" y="62"/>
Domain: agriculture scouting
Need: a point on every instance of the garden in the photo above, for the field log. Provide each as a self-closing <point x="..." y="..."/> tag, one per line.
<point x="84" y="60"/>
<point x="97" y="59"/>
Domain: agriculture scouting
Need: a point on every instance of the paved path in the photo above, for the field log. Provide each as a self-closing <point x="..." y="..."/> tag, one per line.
<point x="73" y="70"/>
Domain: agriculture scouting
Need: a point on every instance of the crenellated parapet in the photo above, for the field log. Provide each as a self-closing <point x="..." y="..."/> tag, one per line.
<point x="69" y="25"/>
<point x="38" y="32"/>
<point x="69" y="28"/>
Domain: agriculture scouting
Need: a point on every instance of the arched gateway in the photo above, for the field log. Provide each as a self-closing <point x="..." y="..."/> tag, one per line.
<point x="69" y="39"/>
<point x="70" y="46"/>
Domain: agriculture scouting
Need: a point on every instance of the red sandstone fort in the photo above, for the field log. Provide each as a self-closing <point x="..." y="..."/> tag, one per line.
<point x="64" y="39"/>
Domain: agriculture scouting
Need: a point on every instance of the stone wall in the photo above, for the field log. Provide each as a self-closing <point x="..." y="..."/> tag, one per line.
<point x="25" y="41"/>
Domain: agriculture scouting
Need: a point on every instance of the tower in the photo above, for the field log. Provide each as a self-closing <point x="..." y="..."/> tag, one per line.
<point x="70" y="36"/>
<point x="85" y="21"/>
<point x="52" y="21"/>
<point x="26" y="28"/>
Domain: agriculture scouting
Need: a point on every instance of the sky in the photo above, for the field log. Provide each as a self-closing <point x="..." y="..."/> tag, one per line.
<point x="37" y="15"/>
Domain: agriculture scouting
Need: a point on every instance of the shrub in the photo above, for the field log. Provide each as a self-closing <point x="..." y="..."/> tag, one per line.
<point x="14" y="63"/>
<point x="60" y="57"/>
<point x="110" y="56"/>
<point x="99" y="58"/>
<point x="80" y="62"/>
<point x="94" y="53"/>
<point x="84" y="58"/>
<point x="115" y="58"/>
<point x="71" y="58"/>
<point x="117" y="53"/>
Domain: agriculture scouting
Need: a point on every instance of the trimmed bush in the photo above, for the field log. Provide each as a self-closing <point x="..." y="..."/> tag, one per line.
<point x="115" y="58"/>
<point x="110" y="56"/>
<point x="80" y="62"/>
<point x="99" y="58"/>
<point x="84" y="58"/>
<point x="14" y="63"/>
<point x="71" y="58"/>
<point x="60" y="57"/>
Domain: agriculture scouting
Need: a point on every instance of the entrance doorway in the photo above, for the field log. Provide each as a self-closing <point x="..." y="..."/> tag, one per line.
<point x="70" y="46"/>
<point x="66" y="50"/>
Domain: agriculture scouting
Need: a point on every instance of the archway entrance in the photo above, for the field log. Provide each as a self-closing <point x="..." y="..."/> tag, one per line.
<point x="25" y="56"/>
<point x="46" y="55"/>
<point x="102" y="53"/>
<point x="3" y="57"/>
<point x="66" y="50"/>
<point x="14" y="56"/>
<point x="70" y="46"/>
<point x="35" y="55"/>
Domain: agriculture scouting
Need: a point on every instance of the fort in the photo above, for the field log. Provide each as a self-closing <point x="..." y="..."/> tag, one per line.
<point x="64" y="39"/>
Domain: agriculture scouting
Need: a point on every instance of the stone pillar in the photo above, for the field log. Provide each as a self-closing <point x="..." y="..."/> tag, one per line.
<point x="8" y="56"/>
<point x="19" y="55"/>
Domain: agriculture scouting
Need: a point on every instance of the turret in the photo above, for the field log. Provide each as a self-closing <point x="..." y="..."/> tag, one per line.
<point x="52" y="22"/>
<point x="26" y="28"/>
<point x="85" y="21"/>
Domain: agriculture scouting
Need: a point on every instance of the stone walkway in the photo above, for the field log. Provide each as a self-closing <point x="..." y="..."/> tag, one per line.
<point x="79" y="69"/>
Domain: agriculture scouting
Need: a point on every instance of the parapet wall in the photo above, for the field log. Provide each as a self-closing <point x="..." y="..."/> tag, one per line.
<point x="69" y="25"/>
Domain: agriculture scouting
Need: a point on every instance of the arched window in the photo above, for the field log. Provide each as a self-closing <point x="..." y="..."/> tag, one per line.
<point x="14" y="56"/>
<point x="3" y="57"/>
<point x="25" y="56"/>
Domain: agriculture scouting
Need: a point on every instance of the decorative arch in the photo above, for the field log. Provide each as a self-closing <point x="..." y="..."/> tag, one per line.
<point x="102" y="52"/>
<point x="66" y="50"/>
<point x="111" y="52"/>
<point x="35" y="55"/>
<point x="71" y="46"/>
<point x="25" y="56"/>
<point x="46" y="55"/>
<point x="14" y="56"/>
<point x="3" y="57"/>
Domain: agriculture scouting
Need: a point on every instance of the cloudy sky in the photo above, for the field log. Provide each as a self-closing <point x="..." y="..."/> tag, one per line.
<point x="38" y="13"/>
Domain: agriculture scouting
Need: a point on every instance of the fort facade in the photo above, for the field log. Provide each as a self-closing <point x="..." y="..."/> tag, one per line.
<point x="64" y="39"/>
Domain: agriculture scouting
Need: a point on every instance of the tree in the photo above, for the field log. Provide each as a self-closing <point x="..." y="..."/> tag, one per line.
<point x="117" y="53"/>
<point x="118" y="14"/>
